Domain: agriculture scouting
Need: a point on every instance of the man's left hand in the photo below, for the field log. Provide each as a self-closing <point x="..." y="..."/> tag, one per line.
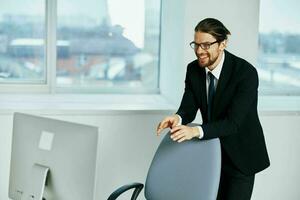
<point x="182" y="133"/>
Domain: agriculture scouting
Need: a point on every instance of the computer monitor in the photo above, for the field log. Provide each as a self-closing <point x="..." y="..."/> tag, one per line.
<point x="52" y="159"/>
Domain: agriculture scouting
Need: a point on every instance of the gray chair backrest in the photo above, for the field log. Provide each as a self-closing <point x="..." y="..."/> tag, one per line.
<point x="184" y="171"/>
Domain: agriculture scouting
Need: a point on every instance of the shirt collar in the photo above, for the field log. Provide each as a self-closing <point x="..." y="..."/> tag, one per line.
<point x="217" y="70"/>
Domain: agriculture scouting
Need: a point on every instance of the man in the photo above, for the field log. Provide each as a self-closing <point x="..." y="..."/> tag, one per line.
<point x="224" y="88"/>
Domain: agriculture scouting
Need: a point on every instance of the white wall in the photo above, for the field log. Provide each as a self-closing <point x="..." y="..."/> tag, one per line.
<point x="126" y="150"/>
<point x="128" y="139"/>
<point x="282" y="179"/>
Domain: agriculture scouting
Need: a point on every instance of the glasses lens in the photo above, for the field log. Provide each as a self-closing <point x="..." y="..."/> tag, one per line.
<point x="205" y="46"/>
<point x="193" y="45"/>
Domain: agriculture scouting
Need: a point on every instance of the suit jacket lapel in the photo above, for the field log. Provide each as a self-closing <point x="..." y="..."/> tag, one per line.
<point x="223" y="80"/>
<point x="202" y="93"/>
<point x="198" y="78"/>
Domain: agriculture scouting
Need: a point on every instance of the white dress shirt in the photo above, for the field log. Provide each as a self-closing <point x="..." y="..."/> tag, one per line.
<point x="216" y="72"/>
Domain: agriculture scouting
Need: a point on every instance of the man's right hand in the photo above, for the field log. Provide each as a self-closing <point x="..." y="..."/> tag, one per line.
<point x="167" y="122"/>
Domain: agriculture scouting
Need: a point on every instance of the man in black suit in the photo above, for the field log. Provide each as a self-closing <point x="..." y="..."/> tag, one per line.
<point x="224" y="88"/>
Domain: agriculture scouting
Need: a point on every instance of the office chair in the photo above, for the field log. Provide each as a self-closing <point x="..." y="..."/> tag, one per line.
<point x="181" y="171"/>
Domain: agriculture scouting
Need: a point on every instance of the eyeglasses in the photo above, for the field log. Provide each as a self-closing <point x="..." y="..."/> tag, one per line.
<point x="204" y="46"/>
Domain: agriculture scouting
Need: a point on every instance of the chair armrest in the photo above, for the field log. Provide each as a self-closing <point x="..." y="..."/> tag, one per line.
<point x="138" y="187"/>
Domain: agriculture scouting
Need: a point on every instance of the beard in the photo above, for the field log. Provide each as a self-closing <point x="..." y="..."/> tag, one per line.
<point x="206" y="59"/>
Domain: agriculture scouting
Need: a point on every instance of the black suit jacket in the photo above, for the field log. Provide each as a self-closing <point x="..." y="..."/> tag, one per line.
<point x="234" y="116"/>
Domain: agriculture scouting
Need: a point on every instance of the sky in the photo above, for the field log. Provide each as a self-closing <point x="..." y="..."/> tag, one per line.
<point x="133" y="20"/>
<point x="279" y="15"/>
<point x="121" y="12"/>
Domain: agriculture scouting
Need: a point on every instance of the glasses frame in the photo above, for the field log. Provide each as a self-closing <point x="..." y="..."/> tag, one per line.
<point x="205" y="45"/>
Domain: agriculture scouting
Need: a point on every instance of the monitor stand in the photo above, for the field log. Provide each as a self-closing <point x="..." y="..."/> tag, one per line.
<point x="37" y="183"/>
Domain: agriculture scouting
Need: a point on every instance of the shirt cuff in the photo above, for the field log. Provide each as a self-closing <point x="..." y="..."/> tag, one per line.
<point x="180" y="120"/>
<point x="201" y="133"/>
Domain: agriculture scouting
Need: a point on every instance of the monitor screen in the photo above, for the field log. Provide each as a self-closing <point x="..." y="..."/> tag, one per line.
<point x="55" y="157"/>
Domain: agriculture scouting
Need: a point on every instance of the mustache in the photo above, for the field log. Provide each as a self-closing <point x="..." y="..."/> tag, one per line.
<point x="203" y="54"/>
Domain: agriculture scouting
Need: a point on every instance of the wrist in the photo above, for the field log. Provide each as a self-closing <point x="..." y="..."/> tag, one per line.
<point x="196" y="132"/>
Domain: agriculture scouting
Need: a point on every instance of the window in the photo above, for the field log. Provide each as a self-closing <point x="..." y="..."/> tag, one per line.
<point x="279" y="47"/>
<point x="101" y="46"/>
<point x="22" y="46"/>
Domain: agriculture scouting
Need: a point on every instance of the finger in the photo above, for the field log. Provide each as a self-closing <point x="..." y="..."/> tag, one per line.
<point x="177" y="137"/>
<point x="181" y="139"/>
<point x="165" y="123"/>
<point x="176" y="128"/>
<point x="159" y="131"/>
<point x="159" y="128"/>
<point x="179" y="132"/>
<point x="162" y="125"/>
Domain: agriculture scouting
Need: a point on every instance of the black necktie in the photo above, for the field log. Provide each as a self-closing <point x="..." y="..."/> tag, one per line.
<point x="211" y="94"/>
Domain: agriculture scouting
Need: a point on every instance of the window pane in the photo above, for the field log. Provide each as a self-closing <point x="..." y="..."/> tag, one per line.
<point x="279" y="42"/>
<point x="108" y="45"/>
<point x="22" y="31"/>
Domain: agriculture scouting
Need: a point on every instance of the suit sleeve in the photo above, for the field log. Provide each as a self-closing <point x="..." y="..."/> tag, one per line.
<point x="243" y="102"/>
<point x="188" y="107"/>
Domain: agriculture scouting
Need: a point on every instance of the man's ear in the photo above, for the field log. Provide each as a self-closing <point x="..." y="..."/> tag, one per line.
<point x="223" y="44"/>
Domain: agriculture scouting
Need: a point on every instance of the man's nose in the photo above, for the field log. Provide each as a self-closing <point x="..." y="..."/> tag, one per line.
<point x="199" y="50"/>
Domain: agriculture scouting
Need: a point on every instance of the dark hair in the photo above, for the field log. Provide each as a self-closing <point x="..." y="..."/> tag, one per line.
<point x="213" y="27"/>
